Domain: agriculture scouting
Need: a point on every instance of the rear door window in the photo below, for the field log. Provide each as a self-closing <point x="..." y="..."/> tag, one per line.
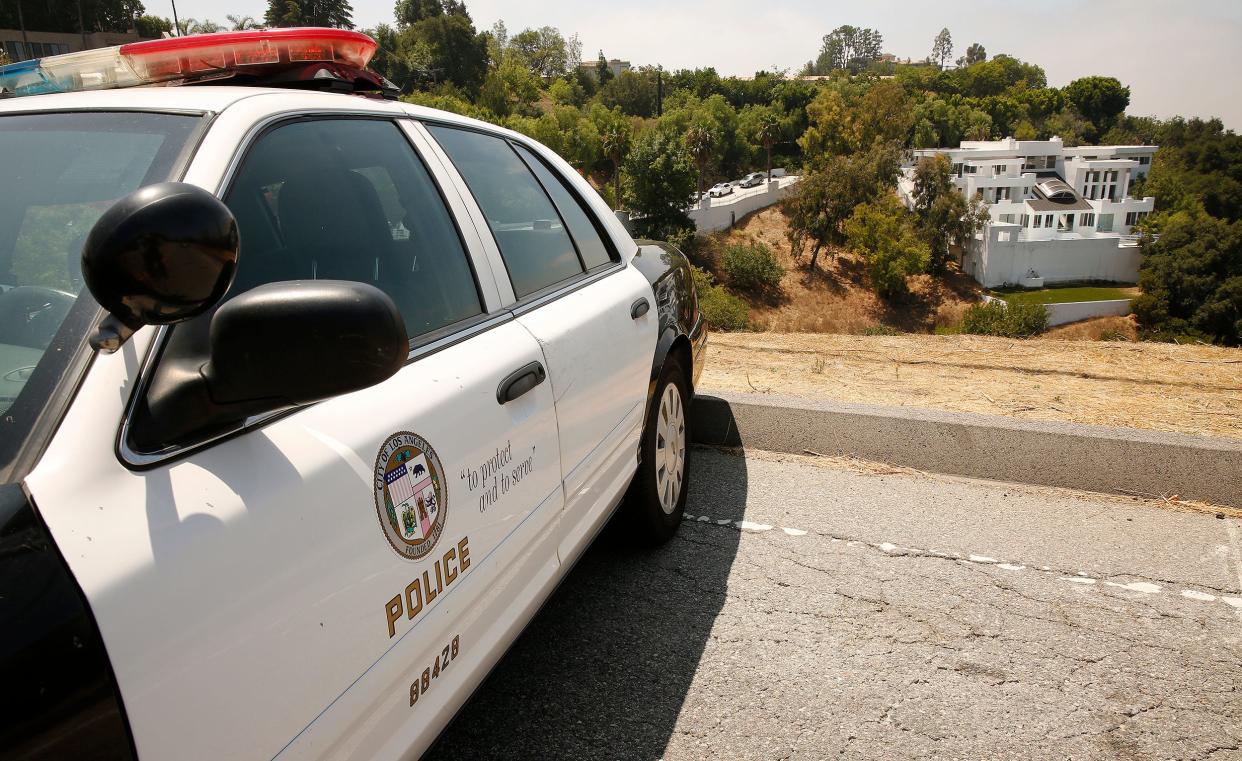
<point x="530" y="233"/>
<point x="590" y="245"/>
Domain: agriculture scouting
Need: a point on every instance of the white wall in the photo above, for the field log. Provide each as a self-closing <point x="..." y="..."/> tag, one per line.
<point x="994" y="263"/>
<point x="1073" y="311"/>
<point x="719" y="213"/>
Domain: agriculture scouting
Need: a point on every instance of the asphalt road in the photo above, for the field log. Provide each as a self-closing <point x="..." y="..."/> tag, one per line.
<point x="811" y="610"/>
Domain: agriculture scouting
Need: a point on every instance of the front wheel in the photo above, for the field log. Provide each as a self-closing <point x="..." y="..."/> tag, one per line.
<point x="657" y="497"/>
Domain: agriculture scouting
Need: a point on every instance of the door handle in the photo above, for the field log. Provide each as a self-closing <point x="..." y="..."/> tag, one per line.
<point x="520" y="381"/>
<point x="639" y="308"/>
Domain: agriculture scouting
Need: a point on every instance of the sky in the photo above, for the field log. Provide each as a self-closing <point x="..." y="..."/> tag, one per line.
<point x="1178" y="58"/>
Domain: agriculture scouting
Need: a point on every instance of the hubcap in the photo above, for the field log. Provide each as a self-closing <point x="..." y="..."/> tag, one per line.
<point x="670" y="454"/>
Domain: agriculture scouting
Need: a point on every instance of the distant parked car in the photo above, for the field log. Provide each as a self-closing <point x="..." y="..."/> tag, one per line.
<point x="751" y="180"/>
<point x="720" y="189"/>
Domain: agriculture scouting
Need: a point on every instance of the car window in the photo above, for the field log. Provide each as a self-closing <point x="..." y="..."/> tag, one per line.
<point x="532" y="238"/>
<point x="349" y="199"/>
<point x="585" y="235"/>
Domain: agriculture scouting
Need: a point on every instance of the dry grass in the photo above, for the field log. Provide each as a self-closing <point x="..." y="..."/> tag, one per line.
<point x="1097" y="329"/>
<point x="1164" y="387"/>
<point x="836" y="297"/>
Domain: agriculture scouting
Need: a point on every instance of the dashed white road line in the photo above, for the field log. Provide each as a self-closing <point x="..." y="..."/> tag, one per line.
<point x="1082" y="577"/>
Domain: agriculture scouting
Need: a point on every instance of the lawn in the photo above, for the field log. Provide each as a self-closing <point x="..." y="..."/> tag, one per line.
<point x="1065" y="295"/>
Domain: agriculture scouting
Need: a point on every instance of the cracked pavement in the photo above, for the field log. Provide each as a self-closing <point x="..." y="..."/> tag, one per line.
<point x="918" y="616"/>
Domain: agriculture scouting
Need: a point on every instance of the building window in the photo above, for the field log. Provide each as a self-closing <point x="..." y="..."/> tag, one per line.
<point x="957" y="170"/>
<point x="1006" y="218"/>
<point x="1029" y="163"/>
<point x="1039" y="221"/>
<point x="1106" y="223"/>
<point x="970" y="169"/>
<point x="19" y="51"/>
<point x="1086" y="220"/>
<point x="1048" y="220"/>
<point x="1144" y="160"/>
<point x="1025" y="220"/>
<point x="1050" y="162"/>
<point x="1135" y="217"/>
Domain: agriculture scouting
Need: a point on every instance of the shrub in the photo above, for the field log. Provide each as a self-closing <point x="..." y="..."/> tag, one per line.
<point x="1012" y="321"/>
<point x="721" y="309"/>
<point x="881" y="330"/>
<point x="751" y="266"/>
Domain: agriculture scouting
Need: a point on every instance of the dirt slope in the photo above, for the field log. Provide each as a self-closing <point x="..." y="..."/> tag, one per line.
<point x="1164" y="387"/>
<point x="837" y="297"/>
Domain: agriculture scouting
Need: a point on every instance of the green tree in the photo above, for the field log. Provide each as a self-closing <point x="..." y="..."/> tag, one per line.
<point x="826" y="196"/>
<point x="544" y="50"/>
<point x="195" y="26"/>
<point x="63" y="15"/>
<point x="1191" y="277"/>
<point x="603" y="74"/>
<point x="633" y="92"/>
<point x="332" y="13"/>
<point x="509" y="88"/>
<point x="764" y="125"/>
<point x="152" y="27"/>
<point x="240" y="23"/>
<point x="659" y="182"/>
<point x="458" y="54"/>
<point x="974" y="54"/>
<point x="614" y="136"/>
<point x="848" y="47"/>
<point x="942" y="48"/>
<point x="880" y="232"/>
<point x="699" y="141"/>
<point x="944" y="216"/>
<point x="1099" y="99"/>
<point x="410" y="12"/>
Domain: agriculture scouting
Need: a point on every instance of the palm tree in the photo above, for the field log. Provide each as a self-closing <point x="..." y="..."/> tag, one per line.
<point x="194" y="26"/>
<point x="616" y="143"/>
<point x="769" y="133"/>
<point x="699" y="141"/>
<point x="241" y="23"/>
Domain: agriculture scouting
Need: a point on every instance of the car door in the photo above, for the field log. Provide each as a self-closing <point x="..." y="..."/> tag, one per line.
<point x="332" y="581"/>
<point x="593" y="314"/>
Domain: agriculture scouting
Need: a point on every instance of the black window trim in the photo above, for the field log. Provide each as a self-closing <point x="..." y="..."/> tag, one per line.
<point x="421" y="346"/>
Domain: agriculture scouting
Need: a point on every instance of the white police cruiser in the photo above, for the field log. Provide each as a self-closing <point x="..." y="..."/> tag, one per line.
<point x="308" y="399"/>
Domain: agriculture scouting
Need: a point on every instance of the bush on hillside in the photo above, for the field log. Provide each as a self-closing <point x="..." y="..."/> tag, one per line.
<point x="721" y="309"/>
<point x="1011" y="321"/>
<point x="751" y="266"/>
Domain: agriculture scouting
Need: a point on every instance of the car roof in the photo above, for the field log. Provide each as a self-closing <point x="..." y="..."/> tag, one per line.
<point x="185" y="98"/>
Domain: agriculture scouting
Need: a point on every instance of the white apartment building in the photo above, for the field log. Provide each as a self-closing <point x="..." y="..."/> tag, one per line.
<point x="1057" y="214"/>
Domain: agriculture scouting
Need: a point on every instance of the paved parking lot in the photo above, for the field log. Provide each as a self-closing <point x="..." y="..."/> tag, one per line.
<point x="810" y="610"/>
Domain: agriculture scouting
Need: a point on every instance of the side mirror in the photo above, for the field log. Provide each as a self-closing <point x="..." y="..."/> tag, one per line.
<point x="273" y="347"/>
<point x="160" y="255"/>
<point x="298" y="342"/>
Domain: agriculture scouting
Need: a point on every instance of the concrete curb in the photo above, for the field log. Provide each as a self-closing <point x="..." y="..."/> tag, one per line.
<point x="1092" y="458"/>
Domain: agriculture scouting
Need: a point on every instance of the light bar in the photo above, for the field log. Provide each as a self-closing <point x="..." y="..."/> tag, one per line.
<point x="198" y="56"/>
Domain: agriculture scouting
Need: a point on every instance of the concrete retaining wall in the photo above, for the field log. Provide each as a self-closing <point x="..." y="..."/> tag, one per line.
<point x="720" y="213"/>
<point x="1073" y="311"/>
<point x="1092" y="458"/>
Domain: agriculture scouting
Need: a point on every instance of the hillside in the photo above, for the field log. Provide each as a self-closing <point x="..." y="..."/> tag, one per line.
<point x="837" y="297"/>
<point x="1157" y="386"/>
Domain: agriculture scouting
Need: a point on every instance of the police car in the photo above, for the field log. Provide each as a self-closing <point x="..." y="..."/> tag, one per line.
<point x="308" y="399"/>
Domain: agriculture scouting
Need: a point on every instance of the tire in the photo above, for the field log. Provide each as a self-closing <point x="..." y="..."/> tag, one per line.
<point x="657" y="496"/>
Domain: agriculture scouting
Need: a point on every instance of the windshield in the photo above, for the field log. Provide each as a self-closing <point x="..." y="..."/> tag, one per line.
<point x="60" y="172"/>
